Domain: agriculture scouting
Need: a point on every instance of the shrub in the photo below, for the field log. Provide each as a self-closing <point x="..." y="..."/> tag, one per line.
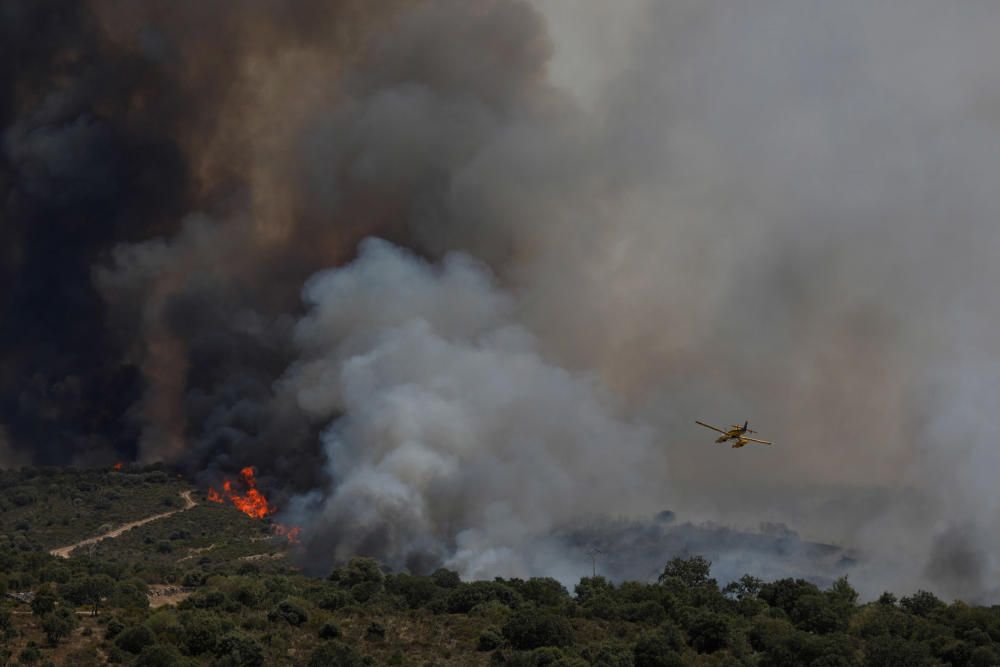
<point x="784" y="593"/>
<point x="655" y="651"/>
<point x="201" y="632"/>
<point x="544" y="591"/>
<point x="375" y="631"/>
<point x="160" y="655"/>
<point x="329" y="630"/>
<point x="922" y="603"/>
<point x="415" y="591"/>
<point x="820" y="614"/>
<point x="332" y="600"/>
<point x="489" y="640"/>
<point x="335" y="654"/>
<point x="611" y="655"/>
<point x="289" y="612"/>
<point x="30" y="655"/>
<point x="708" y="632"/>
<point x="445" y="578"/>
<point x="530" y="628"/>
<point x="358" y="570"/>
<point x="44" y="601"/>
<point x="648" y="612"/>
<point x="115" y="626"/>
<point x="239" y="650"/>
<point x="135" y="638"/>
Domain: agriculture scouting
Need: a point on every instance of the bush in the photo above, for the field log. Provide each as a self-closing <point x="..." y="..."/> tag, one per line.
<point x="135" y="638"/>
<point x="445" y="578"/>
<point x="44" y="601"/>
<point x="329" y="630"/>
<point x="335" y="654"/>
<point x="462" y="599"/>
<point x="896" y="652"/>
<point x="415" y="591"/>
<point x="30" y="655"/>
<point x="289" y="612"/>
<point x="655" y="651"/>
<point x="375" y="632"/>
<point x="160" y="655"/>
<point x="530" y="628"/>
<point x="708" y="632"/>
<point x="922" y="603"/>
<point x="611" y="655"/>
<point x="115" y="626"/>
<point x="489" y="640"/>
<point x="201" y="631"/>
<point x="648" y="612"/>
<point x="239" y="650"/>
<point x="784" y="593"/>
<point x="332" y="600"/>
<point x="820" y="614"/>
<point x="544" y="591"/>
<point x="358" y="570"/>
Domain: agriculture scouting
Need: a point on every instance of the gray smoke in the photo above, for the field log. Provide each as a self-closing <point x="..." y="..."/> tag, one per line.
<point x="601" y="222"/>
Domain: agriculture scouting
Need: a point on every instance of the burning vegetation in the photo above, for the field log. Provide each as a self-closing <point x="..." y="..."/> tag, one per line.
<point x="252" y="502"/>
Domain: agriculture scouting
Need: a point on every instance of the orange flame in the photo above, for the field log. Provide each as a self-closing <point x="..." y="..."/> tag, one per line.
<point x="253" y="503"/>
<point x="118" y="466"/>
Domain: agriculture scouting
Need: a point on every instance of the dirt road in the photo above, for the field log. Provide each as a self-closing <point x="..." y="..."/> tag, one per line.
<point x="64" y="552"/>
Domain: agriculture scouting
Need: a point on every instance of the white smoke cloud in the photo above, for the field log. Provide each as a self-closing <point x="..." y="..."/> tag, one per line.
<point x="451" y="437"/>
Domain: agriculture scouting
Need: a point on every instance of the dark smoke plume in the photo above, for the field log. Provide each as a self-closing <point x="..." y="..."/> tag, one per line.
<point x="597" y="222"/>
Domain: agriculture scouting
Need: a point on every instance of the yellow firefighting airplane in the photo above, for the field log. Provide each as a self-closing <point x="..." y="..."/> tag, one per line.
<point x="735" y="432"/>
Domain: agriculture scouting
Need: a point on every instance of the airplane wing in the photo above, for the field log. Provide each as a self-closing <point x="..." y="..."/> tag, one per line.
<point x="763" y="442"/>
<point x="709" y="426"/>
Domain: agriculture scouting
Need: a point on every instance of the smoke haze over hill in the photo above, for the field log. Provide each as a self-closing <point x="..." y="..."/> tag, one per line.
<point x="453" y="276"/>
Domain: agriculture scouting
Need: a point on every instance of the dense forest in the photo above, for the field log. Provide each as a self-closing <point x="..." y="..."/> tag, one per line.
<point x="159" y="595"/>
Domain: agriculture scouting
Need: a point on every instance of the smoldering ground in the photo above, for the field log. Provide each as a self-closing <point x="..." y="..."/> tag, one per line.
<point x="658" y="212"/>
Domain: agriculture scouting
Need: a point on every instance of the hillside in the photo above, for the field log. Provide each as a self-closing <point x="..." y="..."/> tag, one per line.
<point x="208" y="585"/>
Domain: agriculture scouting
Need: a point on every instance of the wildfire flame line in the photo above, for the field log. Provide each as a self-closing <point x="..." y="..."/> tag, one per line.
<point x="253" y="503"/>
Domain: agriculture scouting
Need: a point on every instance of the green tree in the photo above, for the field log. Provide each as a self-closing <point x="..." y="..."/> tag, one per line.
<point x="44" y="601"/>
<point x="818" y="613"/>
<point x="692" y="572"/>
<point x="744" y="588"/>
<point x="58" y="625"/>
<point x="922" y="603"/>
<point x="784" y="593"/>
<point x="90" y="591"/>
